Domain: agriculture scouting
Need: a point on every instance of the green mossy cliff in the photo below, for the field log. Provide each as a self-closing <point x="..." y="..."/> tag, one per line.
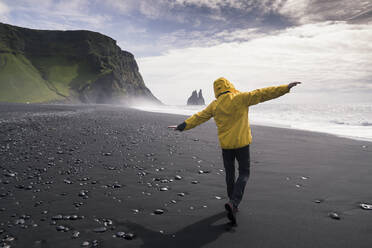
<point x="66" y="66"/>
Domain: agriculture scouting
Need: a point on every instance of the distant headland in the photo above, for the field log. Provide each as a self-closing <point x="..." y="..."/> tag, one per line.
<point x="66" y="66"/>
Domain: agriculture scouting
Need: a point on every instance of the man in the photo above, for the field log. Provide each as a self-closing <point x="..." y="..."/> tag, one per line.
<point x="230" y="112"/>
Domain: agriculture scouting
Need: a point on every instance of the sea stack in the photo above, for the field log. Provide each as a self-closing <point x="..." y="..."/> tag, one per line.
<point x="196" y="99"/>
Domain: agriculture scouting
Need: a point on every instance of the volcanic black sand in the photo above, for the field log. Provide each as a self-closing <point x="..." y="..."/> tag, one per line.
<point x="106" y="176"/>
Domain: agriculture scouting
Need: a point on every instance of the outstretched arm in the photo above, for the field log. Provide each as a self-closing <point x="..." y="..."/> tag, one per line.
<point x="265" y="94"/>
<point x="196" y="119"/>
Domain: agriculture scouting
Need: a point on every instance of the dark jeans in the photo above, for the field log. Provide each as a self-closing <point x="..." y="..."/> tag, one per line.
<point x="235" y="189"/>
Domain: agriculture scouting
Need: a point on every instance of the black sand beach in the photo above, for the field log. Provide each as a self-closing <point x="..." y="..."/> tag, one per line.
<point x="83" y="175"/>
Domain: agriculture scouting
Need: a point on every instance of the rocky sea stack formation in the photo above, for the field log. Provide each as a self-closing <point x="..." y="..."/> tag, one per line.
<point x="196" y="99"/>
<point x="66" y="66"/>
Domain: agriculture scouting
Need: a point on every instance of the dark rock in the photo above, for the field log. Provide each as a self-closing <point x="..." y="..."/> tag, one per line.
<point x="19" y="222"/>
<point x="158" y="211"/>
<point x="57" y="217"/>
<point x="67" y="181"/>
<point x="164" y="189"/>
<point x="62" y="228"/>
<point x="100" y="229"/>
<point x="75" y="234"/>
<point x="116" y="185"/>
<point x="334" y="215"/>
<point x="129" y="236"/>
<point x="120" y="234"/>
<point x="10" y="174"/>
<point x="366" y="206"/>
<point x="73" y="217"/>
<point x="85" y="244"/>
<point x="83" y="193"/>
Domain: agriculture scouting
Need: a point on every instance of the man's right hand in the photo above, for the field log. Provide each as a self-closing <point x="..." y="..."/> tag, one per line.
<point x="180" y="127"/>
<point x="293" y="84"/>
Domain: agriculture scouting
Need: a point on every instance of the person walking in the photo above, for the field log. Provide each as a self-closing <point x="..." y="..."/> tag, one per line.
<point x="230" y="112"/>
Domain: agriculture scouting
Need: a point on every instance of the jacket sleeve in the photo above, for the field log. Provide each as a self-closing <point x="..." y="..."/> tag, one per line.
<point x="262" y="95"/>
<point x="200" y="117"/>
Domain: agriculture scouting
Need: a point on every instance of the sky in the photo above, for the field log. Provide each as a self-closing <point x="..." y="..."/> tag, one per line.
<point x="183" y="45"/>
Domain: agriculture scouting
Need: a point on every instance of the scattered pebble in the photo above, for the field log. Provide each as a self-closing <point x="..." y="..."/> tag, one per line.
<point x="19" y="222"/>
<point x="67" y="181"/>
<point x="100" y="229"/>
<point x="9" y="239"/>
<point x="334" y="215"/>
<point x="129" y="236"/>
<point x="164" y="189"/>
<point x="85" y="244"/>
<point x="178" y="177"/>
<point x="120" y="234"/>
<point x="62" y="228"/>
<point x="75" y="234"/>
<point x="57" y="217"/>
<point x="366" y="206"/>
<point x="158" y="211"/>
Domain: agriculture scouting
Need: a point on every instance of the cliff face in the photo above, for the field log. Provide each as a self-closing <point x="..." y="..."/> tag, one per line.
<point x="85" y="66"/>
<point x="196" y="99"/>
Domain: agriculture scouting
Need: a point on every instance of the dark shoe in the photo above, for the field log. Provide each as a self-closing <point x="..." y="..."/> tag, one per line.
<point x="231" y="213"/>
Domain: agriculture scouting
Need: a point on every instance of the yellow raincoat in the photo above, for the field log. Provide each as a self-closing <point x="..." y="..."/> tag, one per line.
<point x="230" y="112"/>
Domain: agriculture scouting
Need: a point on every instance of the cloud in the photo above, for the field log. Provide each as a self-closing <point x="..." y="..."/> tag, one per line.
<point x="197" y="12"/>
<point x="4" y="11"/>
<point x="328" y="57"/>
<point x="299" y="11"/>
<point x="213" y="4"/>
<point x="310" y="11"/>
<point x="175" y="24"/>
<point x="49" y="14"/>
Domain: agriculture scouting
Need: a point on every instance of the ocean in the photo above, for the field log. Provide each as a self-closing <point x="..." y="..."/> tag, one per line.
<point x="345" y="120"/>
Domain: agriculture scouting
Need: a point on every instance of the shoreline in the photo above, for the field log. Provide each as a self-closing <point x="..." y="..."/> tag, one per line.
<point x="89" y="107"/>
<point x="274" y="125"/>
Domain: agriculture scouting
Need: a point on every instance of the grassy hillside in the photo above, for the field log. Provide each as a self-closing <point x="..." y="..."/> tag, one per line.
<point x="21" y="81"/>
<point x="41" y="66"/>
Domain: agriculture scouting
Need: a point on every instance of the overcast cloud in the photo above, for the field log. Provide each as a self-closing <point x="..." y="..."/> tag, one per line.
<point x="330" y="58"/>
<point x="183" y="45"/>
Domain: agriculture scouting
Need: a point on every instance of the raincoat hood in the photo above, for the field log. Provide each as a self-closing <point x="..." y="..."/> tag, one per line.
<point x="222" y="85"/>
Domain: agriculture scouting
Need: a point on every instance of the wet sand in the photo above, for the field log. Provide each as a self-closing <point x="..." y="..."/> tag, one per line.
<point x="74" y="175"/>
